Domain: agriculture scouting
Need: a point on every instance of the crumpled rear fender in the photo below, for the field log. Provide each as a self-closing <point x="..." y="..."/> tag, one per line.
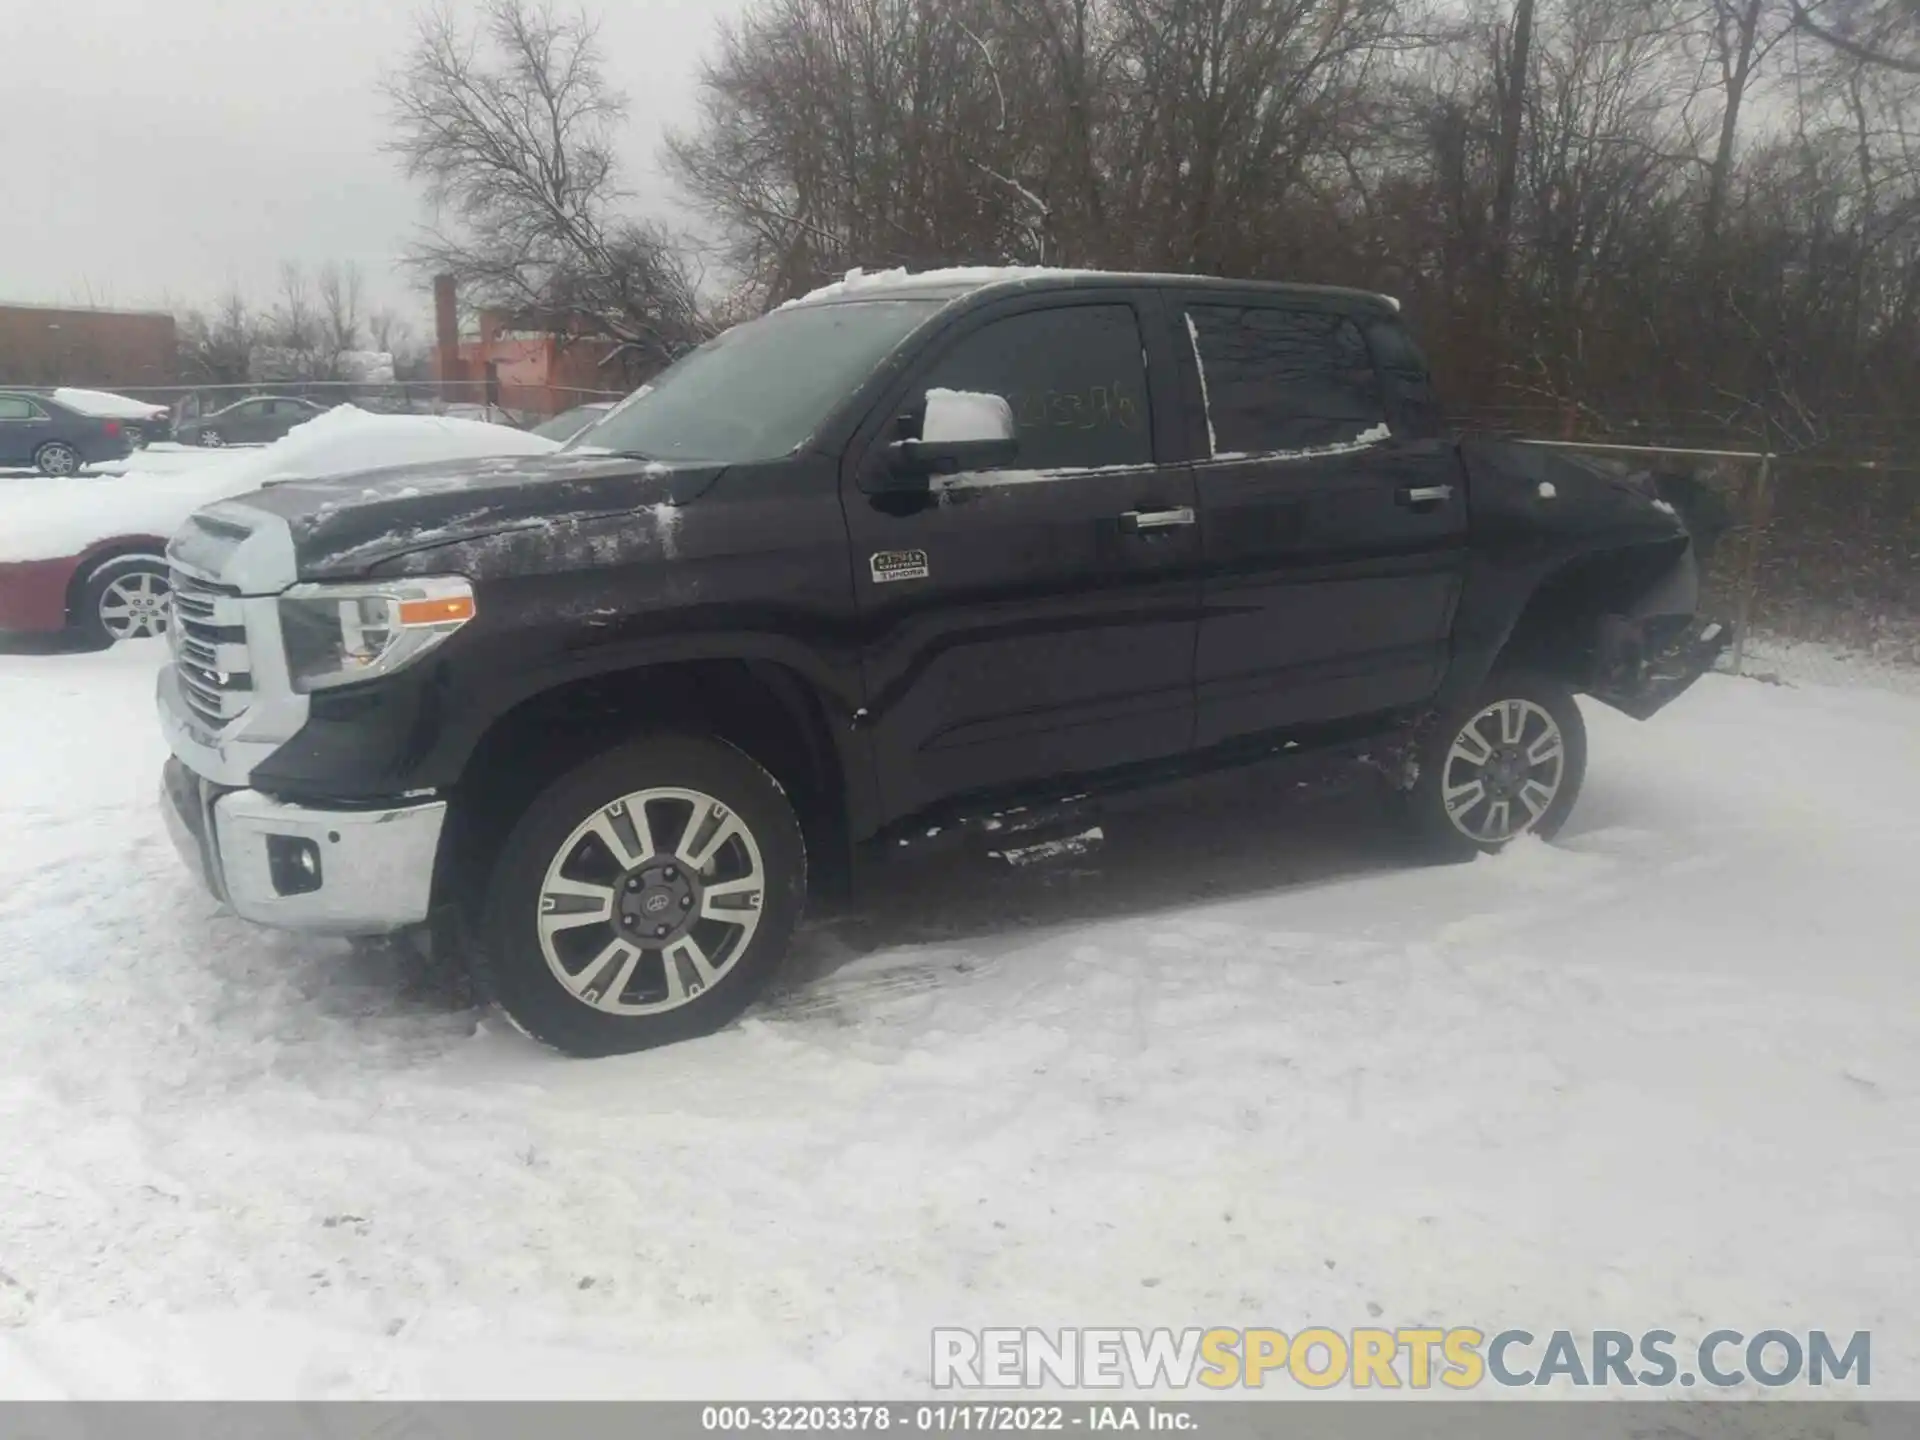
<point x="1649" y="656"/>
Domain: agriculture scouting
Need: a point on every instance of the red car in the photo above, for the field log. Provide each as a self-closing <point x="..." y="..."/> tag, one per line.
<point x="114" y="590"/>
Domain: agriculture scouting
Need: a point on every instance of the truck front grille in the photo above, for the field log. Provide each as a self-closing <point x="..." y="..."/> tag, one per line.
<point x="209" y="636"/>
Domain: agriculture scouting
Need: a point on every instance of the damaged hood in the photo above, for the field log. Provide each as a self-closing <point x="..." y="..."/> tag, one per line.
<point x="347" y="527"/>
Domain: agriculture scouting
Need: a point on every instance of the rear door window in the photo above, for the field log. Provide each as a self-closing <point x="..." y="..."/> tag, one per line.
<point x="19" y="407"/>
<point x="1279" y="381"/>
<point x="1075" y="378"/>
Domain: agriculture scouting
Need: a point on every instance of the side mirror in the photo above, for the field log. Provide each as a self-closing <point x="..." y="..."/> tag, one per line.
<point x="959" y="430"/>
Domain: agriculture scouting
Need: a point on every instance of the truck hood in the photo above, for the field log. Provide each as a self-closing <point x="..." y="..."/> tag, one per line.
<point x="343" y="527"/>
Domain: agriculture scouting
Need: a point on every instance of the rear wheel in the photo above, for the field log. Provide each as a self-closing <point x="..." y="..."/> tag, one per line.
<point x="1508" y="763"/>
<point x="644" y="898"/>
<point x="56" y="457"/>
<point x="125" y="599"/>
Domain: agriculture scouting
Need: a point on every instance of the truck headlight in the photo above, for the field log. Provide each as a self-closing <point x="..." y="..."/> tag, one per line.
<point x="342" y="634"/>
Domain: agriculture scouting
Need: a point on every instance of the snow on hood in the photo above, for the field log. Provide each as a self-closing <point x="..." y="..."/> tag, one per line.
<point x="46" y="519"/>
<point x="105" y="405"/>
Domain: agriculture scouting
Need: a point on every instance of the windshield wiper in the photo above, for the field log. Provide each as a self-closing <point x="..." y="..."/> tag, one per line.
<point x="617" y="454"/>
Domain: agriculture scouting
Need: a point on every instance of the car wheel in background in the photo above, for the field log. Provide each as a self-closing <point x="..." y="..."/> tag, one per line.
<point x="56" y="457"/>
<point x="646" y="897"/>
<point x="1510" y="762"/>
<point x="212" y="439"/>
<point x="126" y="598"/>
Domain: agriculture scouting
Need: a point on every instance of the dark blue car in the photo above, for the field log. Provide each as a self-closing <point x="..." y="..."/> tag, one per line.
<point x="37" y="430"/>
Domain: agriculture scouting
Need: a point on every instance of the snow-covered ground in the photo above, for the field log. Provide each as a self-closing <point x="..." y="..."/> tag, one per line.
<point x="1243" y="1068"/>
<point x="161" y="457"/>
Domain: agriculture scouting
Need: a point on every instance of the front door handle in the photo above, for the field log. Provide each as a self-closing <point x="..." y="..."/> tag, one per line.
<point x="1412" y="495"/>
<point x="1135" y="521"/>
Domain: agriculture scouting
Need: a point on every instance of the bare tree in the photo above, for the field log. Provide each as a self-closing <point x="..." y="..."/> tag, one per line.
<point x="218" y="346"/>
<point x="387" y="328"/>
<point x="339" y="289"/>
<point x="886" y="132"/>
<point x="1885" y="33"/>
<point x="511" y="129"/>
<point x="1513" y="109"/>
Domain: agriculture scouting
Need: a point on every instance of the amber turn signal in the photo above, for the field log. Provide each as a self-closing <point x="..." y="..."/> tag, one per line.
<point x="451" y="610"/>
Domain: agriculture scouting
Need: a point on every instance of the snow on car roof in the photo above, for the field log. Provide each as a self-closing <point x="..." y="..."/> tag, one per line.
<point x="105" y="405"/>
<point x="42" y="519"/>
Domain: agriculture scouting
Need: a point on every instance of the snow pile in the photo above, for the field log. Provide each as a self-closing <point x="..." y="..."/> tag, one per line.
<point x="1244" y="1066"/>
<point x="966" y="415"/>
<point x="42" y="519"/>
<point x="105" y="405"/>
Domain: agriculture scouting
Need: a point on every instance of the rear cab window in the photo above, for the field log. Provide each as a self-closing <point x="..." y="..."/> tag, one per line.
<point x="1283" y="381"/>
<point x="1403" y="371"/>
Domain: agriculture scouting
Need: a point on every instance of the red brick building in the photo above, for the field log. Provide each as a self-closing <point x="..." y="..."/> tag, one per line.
<point x="57" y="345"/>
<point x="541" y="364"/>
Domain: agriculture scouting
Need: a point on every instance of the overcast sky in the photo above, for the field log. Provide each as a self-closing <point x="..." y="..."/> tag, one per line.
<point x="163" y="150"/>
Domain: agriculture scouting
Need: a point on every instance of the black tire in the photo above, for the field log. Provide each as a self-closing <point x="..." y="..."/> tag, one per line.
<point x="211" y="439"/>
<point x="99" y="627"/>
<point x="511" y="967"/>
<point x="1446" y="835"/>
<point x="57" y="458"/>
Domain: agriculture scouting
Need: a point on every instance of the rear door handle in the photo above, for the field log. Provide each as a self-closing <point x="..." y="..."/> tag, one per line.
<point x="1424" y="494"/>
<point x="1135" y="521"/>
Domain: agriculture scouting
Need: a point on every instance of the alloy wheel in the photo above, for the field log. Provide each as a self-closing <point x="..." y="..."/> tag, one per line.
<point x="1504" y="771"/>
<point x="136" y="606"/>
<point x="651" y="901"/>
<point x="59" y="459"/>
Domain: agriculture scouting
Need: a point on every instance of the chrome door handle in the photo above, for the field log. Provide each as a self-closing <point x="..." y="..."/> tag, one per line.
<point x="1425" y="495"/>
<point x="1134" y="521"/>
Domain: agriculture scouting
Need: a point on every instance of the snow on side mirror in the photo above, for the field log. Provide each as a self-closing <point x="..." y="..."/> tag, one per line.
<point x="966" y="415"/>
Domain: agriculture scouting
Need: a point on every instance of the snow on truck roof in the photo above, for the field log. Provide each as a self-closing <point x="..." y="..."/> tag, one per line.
<point x="956" y="281"/>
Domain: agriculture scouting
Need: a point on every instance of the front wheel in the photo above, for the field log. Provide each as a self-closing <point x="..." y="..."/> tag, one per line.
<point x="644" y="898"/>
<point x="125" y="599"/>
<point x="1508" y="763"/>
<point x="212" y="439"/>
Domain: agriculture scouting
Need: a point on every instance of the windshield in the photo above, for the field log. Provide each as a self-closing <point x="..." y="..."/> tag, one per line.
<point x="569" y="423"/>
<point x="760" y="390"/>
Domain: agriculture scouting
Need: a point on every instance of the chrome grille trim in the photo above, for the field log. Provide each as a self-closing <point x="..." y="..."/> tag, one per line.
<point x="226" y="702"/>
<point x="210" y="648"/>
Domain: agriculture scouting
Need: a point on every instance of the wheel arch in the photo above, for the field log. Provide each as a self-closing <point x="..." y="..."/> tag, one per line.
<point x="764" y="708"/>
<point x="90" y="561"/>
<point x="1560" y="622"/>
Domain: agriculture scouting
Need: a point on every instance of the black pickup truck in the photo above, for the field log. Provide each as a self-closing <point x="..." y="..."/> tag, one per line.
<point x="918" y="552"/>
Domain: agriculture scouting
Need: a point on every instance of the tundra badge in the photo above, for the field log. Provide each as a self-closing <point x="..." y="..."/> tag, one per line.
<point x="889" y="565"/>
